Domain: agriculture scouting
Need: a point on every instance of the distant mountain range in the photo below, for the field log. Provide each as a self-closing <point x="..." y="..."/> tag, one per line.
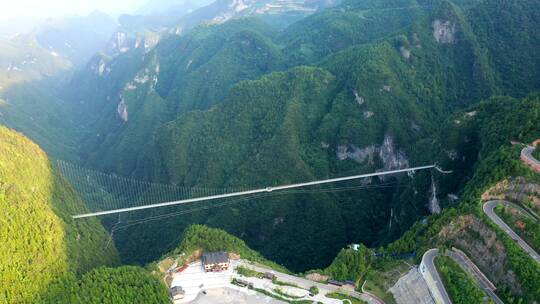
<point x="77" y="38"/>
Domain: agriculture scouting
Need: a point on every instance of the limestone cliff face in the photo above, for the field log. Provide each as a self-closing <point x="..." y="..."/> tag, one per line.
<point x="391" y="157"/>
<point x="122" y="110"/>
<point x="433" y="205"/>
<point x="124" y="41"/>
<point x="99" y="66"/>
<point x="444" y="31"/>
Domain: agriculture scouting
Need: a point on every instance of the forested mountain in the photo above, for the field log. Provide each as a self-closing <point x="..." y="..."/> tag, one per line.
<point x="41" y="243"/>
<point x="179" y="7"/>
<point x="62" y="36"/>
<point x="23" y="59"/>
<point x="279" y="13"/>
<point x="46" y="256"/>
<point x="380" y="82"/>
<point x="237" y="95"/>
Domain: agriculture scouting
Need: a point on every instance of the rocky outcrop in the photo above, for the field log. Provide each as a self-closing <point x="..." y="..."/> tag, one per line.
<point x="452" y="155"/>
<point x="405" y="53"/>
<point x="518" y="189"/>
<point x="368" y="114"/>
<point x="434" y="206"/>
<point x="359" y="99"/>
<point x="444" y="31"/>
<point x="480" y="243"/>
<point x="391" y="157"/>
<point x="123" y="42"/>
<point x="122" y="110"/>
<point x="359" y="155"/>
<point x="119" y="43"/>
<point x="99" y="66"/>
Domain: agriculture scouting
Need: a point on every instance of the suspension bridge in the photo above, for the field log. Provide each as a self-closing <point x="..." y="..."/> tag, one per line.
<point x="155" y="191"/>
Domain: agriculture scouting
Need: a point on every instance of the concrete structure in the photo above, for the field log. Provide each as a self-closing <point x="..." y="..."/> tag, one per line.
<point x="194" y="280"/>
<point x="432" y="278"/>
<point x="269" y="275"/>
<point x="215" y="261"/>
<point x="526" y="157"/>
<point x="216" y="288"/>
<point x="412" y="288"/>
<point x="354" y="247"/>
<point x="261" y="190"/>
<point x="234" y="295"/>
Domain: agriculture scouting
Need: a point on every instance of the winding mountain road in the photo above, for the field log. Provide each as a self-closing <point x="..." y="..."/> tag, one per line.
<point x="432" y="277"/>
<point x="466" y="264"/>
<point x="528" y="158"/>
<point x="489" y="210"/>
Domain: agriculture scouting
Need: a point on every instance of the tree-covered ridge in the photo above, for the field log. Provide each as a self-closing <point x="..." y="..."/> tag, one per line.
<point x="508" y="39"/>
<point x="315" y="122"/>
<point x="277" y="115"/>
<point x="203" y="238"/>
<point x="476" y="145"/>
<point x="460" y="286"/>
<point x="187" y="72"/>
<point x="351" y="265"/>
<point x="482" y="130"/>
<point x="41" y="243"/>
<point x="526" y="227"/>
<point x="126" y="284"/>
<point x="23" y="59"/>
<point x="197" y="70"/>
<point x="376" y="82"/>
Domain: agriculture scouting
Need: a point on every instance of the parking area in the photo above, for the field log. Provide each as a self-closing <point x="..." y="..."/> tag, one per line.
<point x="234" y="296"/>
<point x="194" y="280"/>
<point x="411" y="288"/>
<point x="215" y="287"/>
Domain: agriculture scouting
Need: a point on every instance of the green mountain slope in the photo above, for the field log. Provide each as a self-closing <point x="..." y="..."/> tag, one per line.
<point x="23" y="59"/>
<point x="508" y="38"/>
<point x="33" y="109"/>
<point x="475" y="144"/>
<point x="361" y="108"/>
<point x="231" y="105"/>
<point x="41" y="243"/>
<point x="203" y="238"/>
<point x="198" y="68"/>
<point x="126" y="284"/>
<point x="351" y="23"/>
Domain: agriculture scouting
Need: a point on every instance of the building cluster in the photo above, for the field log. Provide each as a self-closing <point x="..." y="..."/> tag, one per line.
<point x="211" y="262"/>
<point x="215" y="261"/>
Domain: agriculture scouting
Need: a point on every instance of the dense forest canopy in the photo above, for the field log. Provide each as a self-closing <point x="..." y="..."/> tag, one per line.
<point x="244" y="100"/>
<point x="41" y="243"/>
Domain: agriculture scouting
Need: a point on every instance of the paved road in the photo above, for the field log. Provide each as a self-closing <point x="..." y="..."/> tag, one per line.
<point x="490" y="212"/>
<point x="527" y="152"/>
<point x="484" y="283"/>
<point x="428" y="260"/>
<point x="304" y="283"/>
